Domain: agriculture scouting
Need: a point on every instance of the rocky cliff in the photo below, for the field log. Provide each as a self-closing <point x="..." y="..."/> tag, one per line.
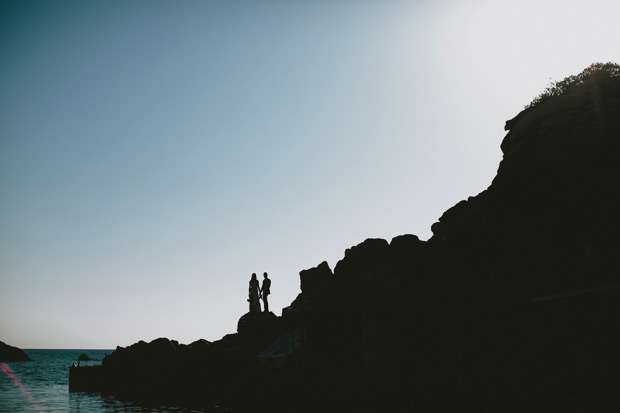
<point x="547" y="223"/>
<point x="510" y="305"/>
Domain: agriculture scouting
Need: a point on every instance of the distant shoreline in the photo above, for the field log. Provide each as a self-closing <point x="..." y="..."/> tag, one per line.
<point x="71" y="349"/>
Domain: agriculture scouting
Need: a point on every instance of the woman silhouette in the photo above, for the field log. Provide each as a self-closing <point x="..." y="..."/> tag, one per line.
<point x="254" y="303"/>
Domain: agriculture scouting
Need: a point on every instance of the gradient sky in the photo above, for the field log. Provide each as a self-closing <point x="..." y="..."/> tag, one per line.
<point x="153" y="154"/>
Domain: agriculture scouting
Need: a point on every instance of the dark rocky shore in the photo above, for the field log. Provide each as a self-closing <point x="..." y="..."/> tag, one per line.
<point x="10" y="353"/>
<point x="512" y="305"/>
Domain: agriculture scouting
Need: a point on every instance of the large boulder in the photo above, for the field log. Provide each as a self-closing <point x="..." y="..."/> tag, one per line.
<point x="316" y="281"/>
<point x="258" y="326"/>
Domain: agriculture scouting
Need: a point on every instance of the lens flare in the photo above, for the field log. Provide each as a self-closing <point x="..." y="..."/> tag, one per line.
<point x="5" y="367"/>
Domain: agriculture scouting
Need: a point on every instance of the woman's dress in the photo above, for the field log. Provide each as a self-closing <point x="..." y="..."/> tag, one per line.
<point x="254" y="303"/>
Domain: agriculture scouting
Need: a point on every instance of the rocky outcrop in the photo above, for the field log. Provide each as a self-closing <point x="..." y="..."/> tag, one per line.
<point x="549" y="220"/>
<point x="317" y="281"/>
<point x="10" y="353"/>
<point x="164" y="371"/>
<point x="515" y="282"/>
<point x="512" y="298"/>
<point x="259" y="327"/>
<point x="369" y="273"/>
<point x="375" y="268"/>
<point x="161" y="350"/>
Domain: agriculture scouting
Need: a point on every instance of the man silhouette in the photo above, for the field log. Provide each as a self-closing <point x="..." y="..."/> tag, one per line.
<point x="265" y="291"/>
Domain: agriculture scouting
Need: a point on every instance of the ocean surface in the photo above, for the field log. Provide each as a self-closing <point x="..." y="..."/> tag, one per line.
<point x="42" y="385"/>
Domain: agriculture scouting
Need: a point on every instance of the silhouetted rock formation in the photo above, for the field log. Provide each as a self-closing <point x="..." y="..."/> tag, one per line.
<point x="10" y="353"/>
<point x="256" y="325"/>
<point x="510" y="305"/>
<point x="549" y="221"/>
<point x="513" y="296"/>
<point x="316" y="281"/>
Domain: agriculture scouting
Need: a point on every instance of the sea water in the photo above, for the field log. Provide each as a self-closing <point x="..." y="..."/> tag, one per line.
<point x="42" y="385"/>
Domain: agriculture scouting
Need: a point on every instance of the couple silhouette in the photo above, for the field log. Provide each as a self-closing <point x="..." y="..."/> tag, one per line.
<point x="256" y="293"/>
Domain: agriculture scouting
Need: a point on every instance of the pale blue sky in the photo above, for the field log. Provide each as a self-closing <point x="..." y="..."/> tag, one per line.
<point x="153" y="154"/>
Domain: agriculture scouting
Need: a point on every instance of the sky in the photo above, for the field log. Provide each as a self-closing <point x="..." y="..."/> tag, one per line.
<point x="155" y="154"/>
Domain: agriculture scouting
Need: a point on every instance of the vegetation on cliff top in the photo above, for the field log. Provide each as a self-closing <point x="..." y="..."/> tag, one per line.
<point x="593" y="71"/>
